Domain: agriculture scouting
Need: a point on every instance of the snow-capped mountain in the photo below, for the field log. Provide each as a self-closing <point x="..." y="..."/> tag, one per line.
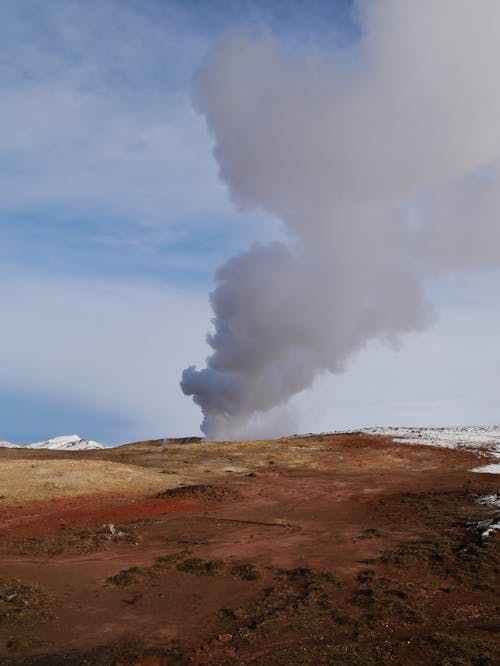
<point x="7" y="445"/>
<point x="66" y="443"/>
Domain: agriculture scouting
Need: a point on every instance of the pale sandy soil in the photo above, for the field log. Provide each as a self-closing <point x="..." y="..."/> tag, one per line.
<point x="30" y="480"/>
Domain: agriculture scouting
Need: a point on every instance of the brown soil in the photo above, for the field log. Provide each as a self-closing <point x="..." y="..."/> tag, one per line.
<point x="331" y="549"/>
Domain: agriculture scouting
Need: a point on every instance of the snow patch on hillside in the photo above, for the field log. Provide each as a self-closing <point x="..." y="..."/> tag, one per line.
<point x="494" y="468"/>
<point x="485" y="439"/>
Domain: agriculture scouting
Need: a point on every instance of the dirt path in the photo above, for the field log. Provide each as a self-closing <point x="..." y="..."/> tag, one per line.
<point x="319" y="550"/>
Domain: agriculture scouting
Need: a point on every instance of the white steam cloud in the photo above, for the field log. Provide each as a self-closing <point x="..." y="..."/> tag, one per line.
<point x="384" y="165"/>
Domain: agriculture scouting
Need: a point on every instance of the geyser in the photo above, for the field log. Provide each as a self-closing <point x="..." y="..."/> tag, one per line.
<point x="384" y="165"/>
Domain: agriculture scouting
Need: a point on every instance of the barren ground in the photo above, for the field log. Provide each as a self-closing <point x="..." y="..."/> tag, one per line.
<point x="330" y="549"/>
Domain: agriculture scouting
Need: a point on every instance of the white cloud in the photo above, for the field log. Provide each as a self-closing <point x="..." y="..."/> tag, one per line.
<point x="67" y="148"/>
<point x="116" y="347"/>
<point x="96" y="115"/>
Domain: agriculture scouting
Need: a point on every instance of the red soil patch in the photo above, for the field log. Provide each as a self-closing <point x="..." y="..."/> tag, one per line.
<point x="38" y="518"/>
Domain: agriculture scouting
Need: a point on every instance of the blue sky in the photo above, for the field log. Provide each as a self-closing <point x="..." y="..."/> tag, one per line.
<point x="113" y="220"/>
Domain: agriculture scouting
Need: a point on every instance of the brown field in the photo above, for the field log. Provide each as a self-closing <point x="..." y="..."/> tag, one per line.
<point x="328" y="549"/>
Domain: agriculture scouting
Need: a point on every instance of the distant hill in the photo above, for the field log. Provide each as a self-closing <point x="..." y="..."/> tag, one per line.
<point x="7" y="445"/>
<point x="61" y="443"/>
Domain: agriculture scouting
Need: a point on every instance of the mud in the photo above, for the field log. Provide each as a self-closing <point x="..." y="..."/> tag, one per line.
<point x="345" y="550"/>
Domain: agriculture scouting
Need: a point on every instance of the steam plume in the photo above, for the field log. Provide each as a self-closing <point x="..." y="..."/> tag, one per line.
<point x="384" y="165"/>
